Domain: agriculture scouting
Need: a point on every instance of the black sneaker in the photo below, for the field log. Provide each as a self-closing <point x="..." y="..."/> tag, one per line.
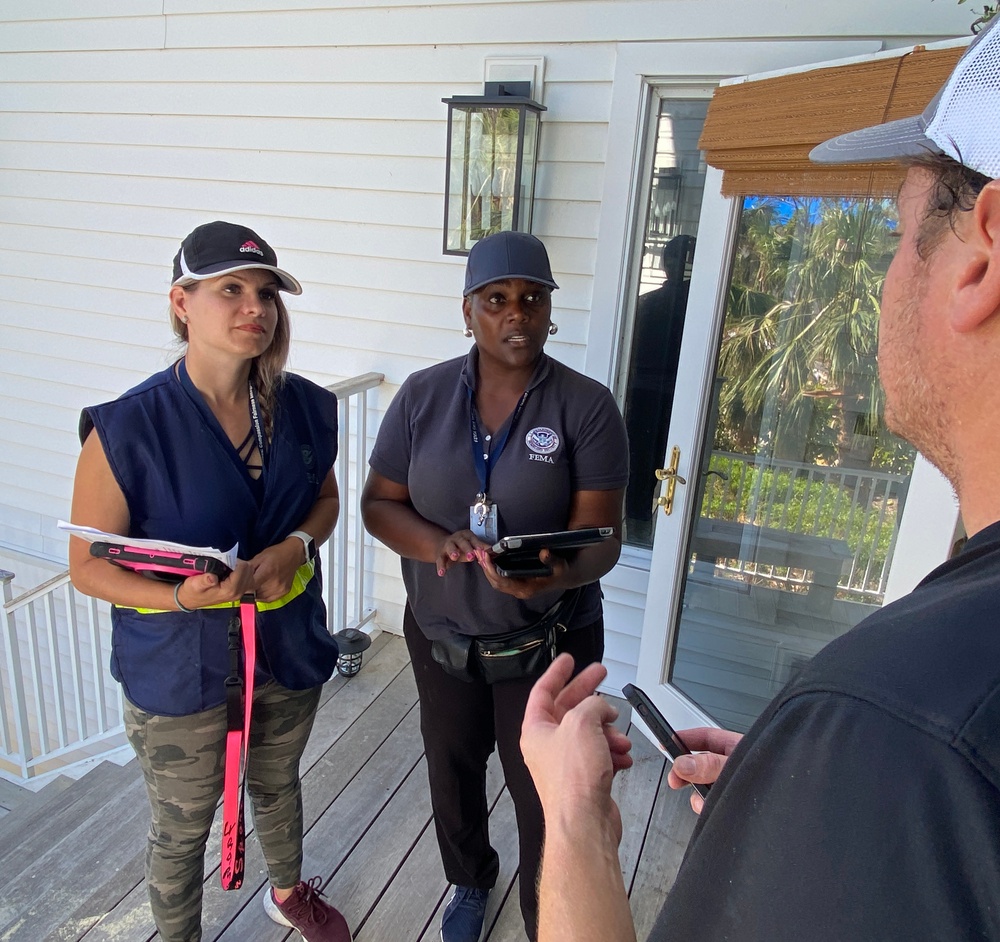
<point x="464" y="915"/>
<point x="315" y="919"/>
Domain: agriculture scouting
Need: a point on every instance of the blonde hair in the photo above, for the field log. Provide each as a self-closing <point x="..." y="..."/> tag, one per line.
<point x="267" y="372"/>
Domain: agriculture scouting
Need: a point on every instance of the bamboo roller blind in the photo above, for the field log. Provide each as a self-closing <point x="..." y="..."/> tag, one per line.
<point x="760" y="133"/>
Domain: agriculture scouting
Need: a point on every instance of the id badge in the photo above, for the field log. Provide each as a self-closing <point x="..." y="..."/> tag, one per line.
<point x="483" y="520"/>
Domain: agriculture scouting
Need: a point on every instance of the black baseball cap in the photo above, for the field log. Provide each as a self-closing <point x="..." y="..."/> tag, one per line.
<point x="507" y="255"/>
<point x="218" y="248"/>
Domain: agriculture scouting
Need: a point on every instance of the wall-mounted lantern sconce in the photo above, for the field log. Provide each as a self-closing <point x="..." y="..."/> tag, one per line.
<point x="490" y="175"/>
<point x="664" y="210"/>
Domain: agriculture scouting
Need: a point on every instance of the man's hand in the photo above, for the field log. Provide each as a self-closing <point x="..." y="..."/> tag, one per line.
<point x="705" y="766"/>
<point x="569" y="743"/>
<point x="573" y="751"/>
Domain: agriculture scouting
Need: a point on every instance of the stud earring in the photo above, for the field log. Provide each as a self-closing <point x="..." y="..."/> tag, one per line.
<point x="553" y="329"/>
<point x="467" y="332"/>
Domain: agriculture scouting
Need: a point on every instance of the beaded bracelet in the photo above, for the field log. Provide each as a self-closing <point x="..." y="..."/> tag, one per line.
<point x="180" y="605"/>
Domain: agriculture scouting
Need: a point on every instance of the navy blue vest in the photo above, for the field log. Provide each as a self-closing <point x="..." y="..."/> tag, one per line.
<point x="183" y="481"/>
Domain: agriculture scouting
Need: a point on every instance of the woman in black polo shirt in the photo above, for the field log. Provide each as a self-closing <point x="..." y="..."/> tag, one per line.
<point x="502" y="441"/>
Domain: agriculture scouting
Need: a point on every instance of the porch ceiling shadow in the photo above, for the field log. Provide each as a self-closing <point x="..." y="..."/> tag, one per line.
<point x="759" y="133"/>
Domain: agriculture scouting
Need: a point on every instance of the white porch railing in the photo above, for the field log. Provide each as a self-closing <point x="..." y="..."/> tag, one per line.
<point x="59" y="705"/>
<point x="345" y="563"/>
<point x="860" y="507"/>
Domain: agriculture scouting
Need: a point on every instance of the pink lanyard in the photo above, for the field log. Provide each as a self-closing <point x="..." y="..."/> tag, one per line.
<point x="239" y="703"/>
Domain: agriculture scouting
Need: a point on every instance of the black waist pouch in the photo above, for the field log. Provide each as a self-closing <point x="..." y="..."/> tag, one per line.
<point x="453" y="654"/>
<point x="513" y="655"/>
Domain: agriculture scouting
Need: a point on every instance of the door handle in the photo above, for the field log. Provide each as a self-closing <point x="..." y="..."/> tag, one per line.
<point x="670" y="475"/>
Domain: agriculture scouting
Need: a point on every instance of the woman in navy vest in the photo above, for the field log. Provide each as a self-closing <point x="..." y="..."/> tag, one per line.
<point x="223" y="448"/>
<point x="503" y="441"/>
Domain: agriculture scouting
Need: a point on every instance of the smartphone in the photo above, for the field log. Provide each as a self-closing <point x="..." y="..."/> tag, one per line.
<point x="662" y="730"/>
<point x="521" y="567"/>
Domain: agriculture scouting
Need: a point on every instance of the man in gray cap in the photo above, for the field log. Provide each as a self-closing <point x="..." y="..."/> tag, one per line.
<point x="865" y="801"/>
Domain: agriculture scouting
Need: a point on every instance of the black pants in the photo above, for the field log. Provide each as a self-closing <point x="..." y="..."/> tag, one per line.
<point x="461" y="724"/>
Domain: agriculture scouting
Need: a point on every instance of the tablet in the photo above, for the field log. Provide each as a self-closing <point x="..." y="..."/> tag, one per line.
<point x="159" y="564"/>
<point x="516" y="557"/>
<point x="555" y="541"/>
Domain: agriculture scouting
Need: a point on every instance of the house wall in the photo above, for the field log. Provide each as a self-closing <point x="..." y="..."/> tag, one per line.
<point x="124" y="124"/>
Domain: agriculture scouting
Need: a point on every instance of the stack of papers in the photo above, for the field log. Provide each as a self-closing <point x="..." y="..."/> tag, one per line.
<point x="99" y="536"/>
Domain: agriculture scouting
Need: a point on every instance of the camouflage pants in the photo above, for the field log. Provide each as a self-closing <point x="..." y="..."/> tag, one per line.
<point x="183" y="761"/>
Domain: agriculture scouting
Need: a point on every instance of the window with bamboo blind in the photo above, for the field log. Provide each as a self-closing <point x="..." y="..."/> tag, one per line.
<point x="759" y="133"/>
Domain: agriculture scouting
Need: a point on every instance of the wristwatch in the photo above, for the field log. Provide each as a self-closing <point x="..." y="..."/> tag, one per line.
<point x="308" y="543"/>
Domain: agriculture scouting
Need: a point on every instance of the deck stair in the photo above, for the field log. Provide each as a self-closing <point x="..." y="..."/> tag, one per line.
<point x="11" y="795"/>
<point x="71" y="849"/>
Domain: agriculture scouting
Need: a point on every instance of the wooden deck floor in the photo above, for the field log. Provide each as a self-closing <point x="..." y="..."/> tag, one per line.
<point x="368" y="835"/>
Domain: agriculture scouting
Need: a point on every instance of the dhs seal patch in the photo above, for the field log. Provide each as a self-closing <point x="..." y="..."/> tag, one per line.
<point x="542" y="441"/>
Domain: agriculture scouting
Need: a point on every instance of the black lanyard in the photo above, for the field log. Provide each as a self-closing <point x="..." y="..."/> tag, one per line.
<point x="257" y="430"/>
<point x="485" y="461"/>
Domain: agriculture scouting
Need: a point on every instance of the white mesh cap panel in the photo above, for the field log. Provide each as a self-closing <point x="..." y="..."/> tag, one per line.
<point x="966" y="125"/>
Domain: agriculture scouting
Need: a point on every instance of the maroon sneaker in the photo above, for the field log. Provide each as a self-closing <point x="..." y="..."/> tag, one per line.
<point x="314" y="918"/>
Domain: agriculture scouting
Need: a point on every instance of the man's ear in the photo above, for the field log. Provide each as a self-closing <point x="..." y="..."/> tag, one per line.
<point x="467" y="310"/>
<point x="977" y="278"/>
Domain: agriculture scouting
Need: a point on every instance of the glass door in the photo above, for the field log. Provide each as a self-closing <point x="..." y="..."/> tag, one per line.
<point x="668" y="239"/>
<point x="789" y="489"/>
